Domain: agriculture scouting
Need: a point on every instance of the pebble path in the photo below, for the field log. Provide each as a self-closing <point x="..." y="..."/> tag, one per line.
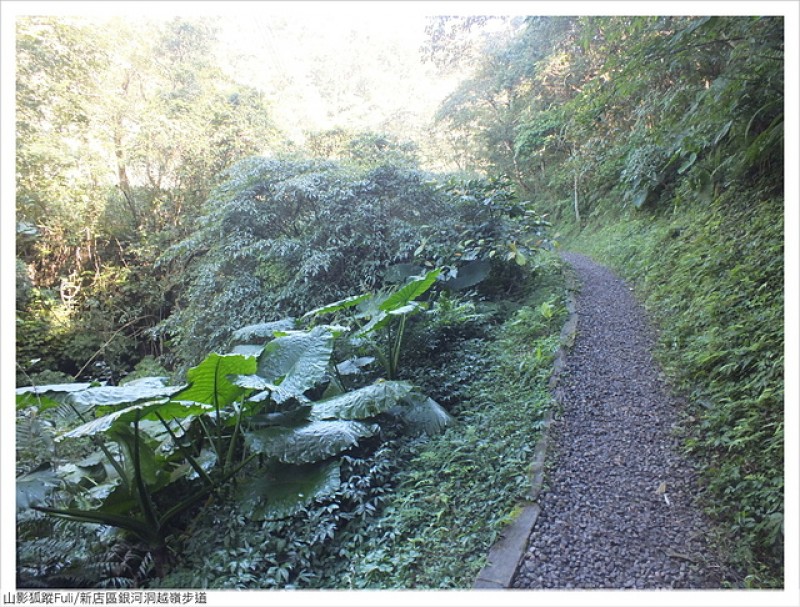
<point x="618" y="507"/>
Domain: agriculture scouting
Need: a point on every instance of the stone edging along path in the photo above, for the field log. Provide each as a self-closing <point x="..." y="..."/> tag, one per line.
<point x="507" y="552"/>
<point x="619" y="510"/>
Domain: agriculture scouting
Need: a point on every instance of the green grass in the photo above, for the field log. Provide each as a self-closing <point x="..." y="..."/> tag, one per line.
<point x="711" y="277"/>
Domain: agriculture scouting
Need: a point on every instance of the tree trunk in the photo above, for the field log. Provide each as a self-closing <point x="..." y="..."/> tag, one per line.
<point x="575" y="194"/>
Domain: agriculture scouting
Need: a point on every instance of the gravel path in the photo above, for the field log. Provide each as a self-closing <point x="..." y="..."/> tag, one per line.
<point x="617" y="509"/>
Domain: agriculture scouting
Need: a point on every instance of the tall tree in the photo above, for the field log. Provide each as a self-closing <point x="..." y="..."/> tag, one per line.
<point x="123" y="129"/>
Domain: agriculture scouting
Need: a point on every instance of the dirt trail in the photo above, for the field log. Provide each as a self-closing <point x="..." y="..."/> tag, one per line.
<point x="618" y="510"/>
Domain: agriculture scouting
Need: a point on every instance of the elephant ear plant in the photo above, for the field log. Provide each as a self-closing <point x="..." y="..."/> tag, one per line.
<point x="141" y="435"/>
<point x="254" y="408"/>
<point x="299" y="438"/>
<point x="383" y="316"/>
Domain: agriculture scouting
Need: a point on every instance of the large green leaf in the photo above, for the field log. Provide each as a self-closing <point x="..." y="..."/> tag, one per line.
<point x="336" y="306"/>
<point x="353" y="366"/>
<point x="425" y="414"/>
<point x="253" y="382"/>
<point x="151" y="469"/>
<point x="296" y="362"/>
<point x="146" y="388"/>
<point x="294" y="416"/>
<point x="362" y="403"/>
<point x="312" y="442"/>
<point x="55" y="388"/>
<point x="469" y="274"/>
<point x="410" y="291"/>
<point x="209" y="383"/>
<point x="47" y="396"/>
<point x="167" y="409"/>
<point x="248" y="350"/>
<point x="282" y="490"/>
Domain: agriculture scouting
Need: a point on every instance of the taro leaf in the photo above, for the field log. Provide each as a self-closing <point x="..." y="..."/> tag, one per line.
<point x="336" y="306"/>
<point x="312" y="442"/>
<point x="209" y="383"/>
<point x="282" y="490"/>
<point x="91" y="470"/>
<point x="112" y="497"/>
<point x="365" y="402"/>
<point x="409" y="308"/>
<point x="409" y="291"/>
<point x="248" y="350"/>
<point x="378" y="321"/>
<point x="469" y="274"/>
<point x="260" y="332"/>
<point x="253" y="382"/>
<point x="167" y="410"/>
<point x="153" y="381"/>
<point x="47" y="396"/>
<point x="152" y="472"/>
<point x="146" y="388"/>
<point x="300" y="359"/>
<point x="352" y="366"/>
<point x="34" y="486"/>
<point x="425" y="414"/>
<point x="53" y="388"/>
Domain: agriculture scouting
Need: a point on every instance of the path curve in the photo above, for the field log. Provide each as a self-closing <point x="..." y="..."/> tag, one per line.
<point x="618" y="510"/>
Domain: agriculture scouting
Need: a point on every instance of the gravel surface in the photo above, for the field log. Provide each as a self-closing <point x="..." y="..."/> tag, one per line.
<point x="618" y="506"/>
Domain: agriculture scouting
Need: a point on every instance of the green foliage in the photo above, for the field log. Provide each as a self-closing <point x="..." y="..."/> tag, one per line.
<point x="282" y="237"/>
<point x="308" y="549"/>
<point x="363" y="149"/>
<point x="497" y="234"/>
<point x="575" y="111"/>
<point x="241" y="406"/>
<point x="146" y="367"/>
<point x="438" y="524"/>
<point x="413" y="513"/>
<point x="141" y="465"/>
<point x="122" y="130"/>
<point x="386" y="313"/>
<point x="615" y="122"/>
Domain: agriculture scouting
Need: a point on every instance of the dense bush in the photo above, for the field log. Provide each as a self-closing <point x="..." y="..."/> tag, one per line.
<point x="280" y="237"/>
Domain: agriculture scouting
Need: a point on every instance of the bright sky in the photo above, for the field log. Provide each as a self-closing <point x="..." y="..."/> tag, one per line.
<point x="289" y="60"/>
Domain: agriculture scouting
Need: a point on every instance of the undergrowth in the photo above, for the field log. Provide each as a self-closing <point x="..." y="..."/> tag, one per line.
<point x="460" y="489"/>
<point x="411" y="512"/>
<point x="712" y="279"/>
